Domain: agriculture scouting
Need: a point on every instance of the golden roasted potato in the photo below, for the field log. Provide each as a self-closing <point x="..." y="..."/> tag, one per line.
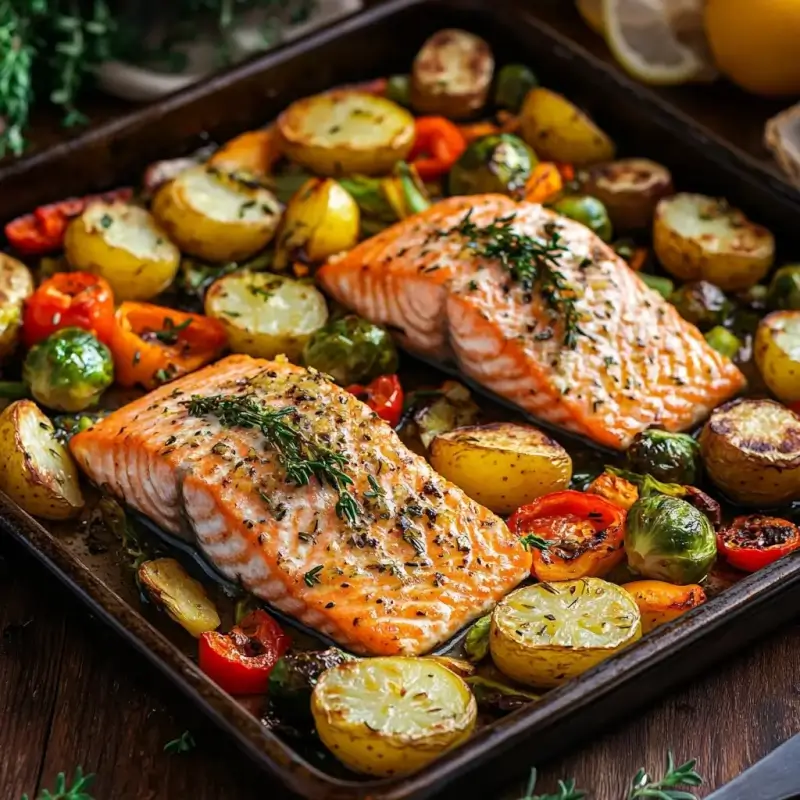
<point x="321" y="219"/>
<point x="16" y="286"/>
<point x="751" y="450"/>
<point x="777" y="354"/>
<point x="630" y="189"/>
<point x="543" y="635"/>
<point x="660" y="602"/>
<point x="559" y="131"/>
<point x="392" y="715"/>
<point x="266" y="314"/>
<point x="216" y="215"/>
<point x="126" y="246"/>
<point x="183" y="598"/>
<point x="502" y="466"/>
<point x="451" y="74"/>
<point x="345" y="132"/>
<point x="36" y="471"/>
<point x="702" y="238"/>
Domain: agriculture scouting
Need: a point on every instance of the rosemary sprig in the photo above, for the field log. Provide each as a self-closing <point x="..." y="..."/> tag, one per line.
<point x="301" y="457"/>
<point x="682" y="775"/>
<point x="183" y="744"/>
<point x="532" y="262"/>
<point x="566" y="790"/>
<point x="61" y="792"/>
<point x="530" y="541"/>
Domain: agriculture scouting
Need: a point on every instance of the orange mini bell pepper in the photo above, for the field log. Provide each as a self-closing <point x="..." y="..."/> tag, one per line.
<point x="477" y="130"/>
<point x="544" y="182"/>
<point x="153" y="344"/>
<point x="438" y="144"/>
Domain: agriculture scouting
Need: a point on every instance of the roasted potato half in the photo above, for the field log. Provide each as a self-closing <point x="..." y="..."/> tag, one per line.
<point x="451" y="74"/>
<point x="36" y="471"/>
<point x="345" y="132"/>
<point x="559" y="131"/>
<point x="751" y="450"/>
<point x="216" y="215"/>
<point x="543" y="635"/>
<point x="777" y="354"/>
<point x="266" y="314"/>
<point x="630" y="189"/>
<point x="660" y="602"/>
<point x="393" y="715"/>
<point x="503" y="465"/>
<point x="702" y="238"/>
<point x="125" y="245"/>
<point x="16" y="286"/>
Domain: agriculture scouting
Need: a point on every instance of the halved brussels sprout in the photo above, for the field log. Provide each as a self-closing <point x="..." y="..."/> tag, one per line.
<point x="499" y="162"/>
<point x="669" y="457"/>
<point x="587" y="210"/>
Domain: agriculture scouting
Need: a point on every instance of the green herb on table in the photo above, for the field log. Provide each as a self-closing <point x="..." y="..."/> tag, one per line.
<point x="566" y="790"/>
<point x="75" y="792"/>
<point x="664" y="789"/>
<point x="183" y="744"/>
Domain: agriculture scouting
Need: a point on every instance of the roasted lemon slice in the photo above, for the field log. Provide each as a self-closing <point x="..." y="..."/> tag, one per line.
<point x="391" y="716"/>
<point x="545" y="634"/>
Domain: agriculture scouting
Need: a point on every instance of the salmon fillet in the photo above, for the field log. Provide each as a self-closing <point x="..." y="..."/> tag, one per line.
<point x="419" y="561"/>
<point x="634" y="364"/>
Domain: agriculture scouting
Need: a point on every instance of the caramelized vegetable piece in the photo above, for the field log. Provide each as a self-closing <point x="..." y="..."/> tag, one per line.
<point x="616" y="490"/>
<point x="254" y="152"/>
<point x="16" y="286"/>
<point x="752" y="542"/>
<point x="544" y="183"/>
<point x="438" y="144"/>
<point x="452" y="408"/>
<point x="498" y="698"/>
<point x="660" y="602"/>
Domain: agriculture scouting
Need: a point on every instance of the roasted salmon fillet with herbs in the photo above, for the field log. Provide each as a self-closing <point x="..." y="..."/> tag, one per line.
<point x="540" y="311"/>
<point x="298" y="490"/>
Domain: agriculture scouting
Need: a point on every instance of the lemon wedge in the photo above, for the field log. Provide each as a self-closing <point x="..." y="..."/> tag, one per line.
<point x="392" y="715"/>
<point x="659" y="41"/>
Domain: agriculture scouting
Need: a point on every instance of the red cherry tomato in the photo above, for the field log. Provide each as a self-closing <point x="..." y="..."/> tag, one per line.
<point x="384" y="396"/>
<point x="752" y="542"/>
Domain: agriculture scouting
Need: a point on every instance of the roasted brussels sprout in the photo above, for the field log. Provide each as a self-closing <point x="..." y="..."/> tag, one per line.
<point x="664" y="286"/>
<point x="476" y="643"/>
<point x="669" y="457"/>
<point x="670" y="540"/>
<point x="498" y="698"/>
<point x="452" y="408"/>
<point x="499" y="162"/>
<point x="702" y="304"/>
<point x="724" y="341"/>
<point x="398" y="89"/>
<point x="351" y="350"/>
<point x="784" y="289"/>
<point x="589" y="211"/>
<point x="69" y="370"/>
<point x="514" y="81"/>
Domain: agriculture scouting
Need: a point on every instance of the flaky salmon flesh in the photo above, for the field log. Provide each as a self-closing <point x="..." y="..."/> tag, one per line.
<point x="626" y="363"/>
<point x="400" y="569"/>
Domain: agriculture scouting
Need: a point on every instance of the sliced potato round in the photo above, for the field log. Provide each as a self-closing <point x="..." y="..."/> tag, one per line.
<point x="559" y="131"/>
<point x="16" y="286"/>
<point x="451" y="74"/>
<point x="502" y="466"/>
<point x="345" y="132"/>
<point x="393" y="715"/>
<point x="702" y="238"/>
<point x="777" y="353"/>
<point x="751" y="450"/>
<point x="266" y="314"/>
<point x="630" y="189"/>
<point x="216" y="215"/>
<point x="126" y="246"/>
<point x="545" y="634"/>
<point x="36" y="471"/>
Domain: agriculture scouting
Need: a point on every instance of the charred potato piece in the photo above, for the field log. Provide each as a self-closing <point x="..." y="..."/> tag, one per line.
<point x="452" y="74"/>
<point x="36" y="471"/>
<point x="702" y="238"/>
<point x="751" y="450"/>
<point x="630" y="189"/>
<point x="16" y="286"/>
<point x="777" y="353"/>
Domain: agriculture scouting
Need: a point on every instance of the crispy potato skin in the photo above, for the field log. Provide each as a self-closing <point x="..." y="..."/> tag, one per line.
<point x="660" y="602"/>
<point x="751" y="450"/>
<point x="502" y="466"/>
<point x="36" y="470"/>
<point x="451" y="74"/>
<point x="776" y="351"/>
<point x="16" y="286"/>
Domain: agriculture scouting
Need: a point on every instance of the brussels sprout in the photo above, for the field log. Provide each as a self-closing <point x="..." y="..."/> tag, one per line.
<point x="351" y="350"/>
<point x="668" y="539"/>
<point x="668" y="457"/>
<point x="499" y="162"/>
<point x="723" y="341"/>
<point x="754" y="299"/>
<point x="702" y="304"/>
<point x="476" y="645"/>
<point x="589" y="211"/>
<point x="784" y="289"/>
<point x="398" y="89"/>
<point x="69" y="370"/>
<point x="664" y="286"/>
<point x="514" y="81"/>
<point x="453" y="408"/>
<point x="498" y="698"/>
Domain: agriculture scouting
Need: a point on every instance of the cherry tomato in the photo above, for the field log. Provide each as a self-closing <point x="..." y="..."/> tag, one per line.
<point x="752" y="542"/>
<point x="384" y="396"/>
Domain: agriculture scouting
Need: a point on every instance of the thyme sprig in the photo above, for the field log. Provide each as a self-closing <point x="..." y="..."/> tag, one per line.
<point x="682" y="775"/>
<point x="301" y="457"/>
<point x="170" y="332"/>
<point x="532" y="262"/>
<point x="566" y="790"/>
<point x="532" y="541"/>
<point x="185" y="743"/>
<point x="77" y="791"/>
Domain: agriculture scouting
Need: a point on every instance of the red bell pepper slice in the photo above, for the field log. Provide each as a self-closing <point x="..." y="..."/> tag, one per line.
<point x="384" y="396"/>
<point x="438" y="144"/>
<point x="754" y="541"/>
<point x="69" y="300"/>
<point x="240" y="661"/>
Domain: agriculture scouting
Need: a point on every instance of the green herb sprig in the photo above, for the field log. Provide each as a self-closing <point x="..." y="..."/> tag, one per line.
<point x="301" y="457"/>
<point x="170" y="332"/>
<point x="61" y="792"/>
<point x="531" y="541"/>
<point x="566" y="790"/>
<point x="185" y="743"/>
<point x="664" y="789"/>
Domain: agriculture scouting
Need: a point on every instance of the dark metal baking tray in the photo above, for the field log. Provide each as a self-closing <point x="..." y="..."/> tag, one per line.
<point x="381" y="41"/>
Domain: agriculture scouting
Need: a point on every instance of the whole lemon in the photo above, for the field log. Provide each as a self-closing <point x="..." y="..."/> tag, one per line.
<point x="755" y="43"/>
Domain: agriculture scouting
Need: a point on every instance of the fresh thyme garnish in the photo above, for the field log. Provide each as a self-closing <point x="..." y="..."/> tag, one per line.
<point x="183" y="744"/>
<point x="682" y="775"/>
<point x="375" y="490"/>
<point x="169" y="333"/>
<point x="312" y="576"/>
<point x="301" y="458"/>
<point x="566" y="790"/>
<point x="75" y="792"/>
<point x="531" y="540"/>
<point x="532" y="263"/>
